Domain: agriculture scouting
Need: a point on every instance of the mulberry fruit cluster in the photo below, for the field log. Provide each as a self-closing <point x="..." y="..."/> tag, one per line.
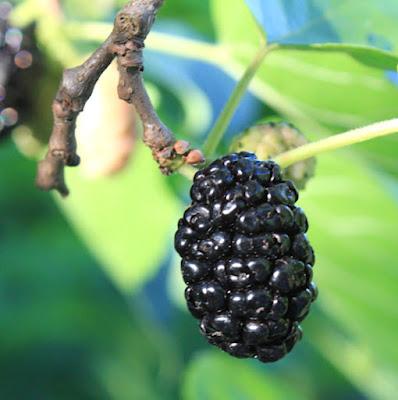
<point x="246" y="259"/>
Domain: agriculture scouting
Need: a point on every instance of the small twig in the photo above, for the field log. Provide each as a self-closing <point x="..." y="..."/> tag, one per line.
<point x="126" y="42"/>
<point x="156" y="135"/>
<point x="187" y="171"/>
<point x="334" y="142"/>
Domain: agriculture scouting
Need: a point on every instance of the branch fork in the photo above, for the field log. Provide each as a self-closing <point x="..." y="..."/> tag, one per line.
<point x="125" y="43"/>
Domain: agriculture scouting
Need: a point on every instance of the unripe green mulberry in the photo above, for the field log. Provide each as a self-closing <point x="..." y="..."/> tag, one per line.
<point x="267" y="140"/>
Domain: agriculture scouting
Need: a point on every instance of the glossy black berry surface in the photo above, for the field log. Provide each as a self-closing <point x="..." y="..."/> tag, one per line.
<point x="246" y="259"/>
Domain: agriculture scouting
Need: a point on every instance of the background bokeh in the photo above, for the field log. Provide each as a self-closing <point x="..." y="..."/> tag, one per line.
<point x="91" y="300"/>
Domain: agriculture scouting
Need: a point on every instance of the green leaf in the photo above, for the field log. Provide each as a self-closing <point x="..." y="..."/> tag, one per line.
<point x="126" y="220"/>
<point x="353" y="231"/>
<point x="366" y="55"/>
<point x="330" y="88"/>
<point x="235" y="25"/>
<point x="216" y="376"/>
<point x="322" y="88"/>
<point x="318" y="21"/>
<point x="334" y="86"/>
<point x="324" y="92"/>
<point x="245" y="34"/>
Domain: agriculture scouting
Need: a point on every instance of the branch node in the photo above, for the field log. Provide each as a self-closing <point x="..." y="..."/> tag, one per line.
<point x="126" y="43"/>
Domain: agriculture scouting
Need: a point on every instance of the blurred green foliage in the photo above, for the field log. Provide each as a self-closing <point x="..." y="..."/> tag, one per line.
<point x="91" y="298"/>
<point x="143" y="200"/>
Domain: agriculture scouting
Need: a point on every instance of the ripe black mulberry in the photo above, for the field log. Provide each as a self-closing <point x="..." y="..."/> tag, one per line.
<point x="246" y="259"/>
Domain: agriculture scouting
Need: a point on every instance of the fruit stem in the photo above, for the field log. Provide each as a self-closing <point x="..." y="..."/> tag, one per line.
<point x="224" y="119"/>
<point x="187" y="171"/>
<point x="334" y="142"/>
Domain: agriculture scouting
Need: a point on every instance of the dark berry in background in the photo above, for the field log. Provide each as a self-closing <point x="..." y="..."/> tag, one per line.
<point x="17" y="55"/>
<point x="246" y="259"/>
